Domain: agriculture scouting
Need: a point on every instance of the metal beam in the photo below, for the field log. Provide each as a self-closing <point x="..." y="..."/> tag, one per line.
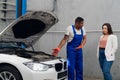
<point x="20" y="7"/>
<point x="24" y="6"/>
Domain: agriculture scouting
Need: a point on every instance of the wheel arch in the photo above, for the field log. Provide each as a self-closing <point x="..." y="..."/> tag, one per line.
<point x="7" y="64"/>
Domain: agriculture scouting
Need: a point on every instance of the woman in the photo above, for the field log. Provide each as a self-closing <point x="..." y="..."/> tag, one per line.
<point x="106" y="50"/>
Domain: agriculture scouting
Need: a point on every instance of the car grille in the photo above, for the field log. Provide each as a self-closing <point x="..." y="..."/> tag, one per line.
<point x="62" y="74"/>
<point x="60" y="66"/>
<point x="65" y="65"/>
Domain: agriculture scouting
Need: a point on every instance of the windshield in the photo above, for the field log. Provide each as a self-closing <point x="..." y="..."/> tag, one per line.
<point x="11" y="45"/>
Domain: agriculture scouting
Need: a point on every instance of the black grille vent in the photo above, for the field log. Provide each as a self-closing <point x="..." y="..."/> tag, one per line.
<point x="62" y="74"/>
<point x="65" y="65"/>
<point x="58" y="67"/>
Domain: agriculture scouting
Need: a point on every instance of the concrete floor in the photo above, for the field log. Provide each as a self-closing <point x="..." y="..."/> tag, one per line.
<point x="91" y="79"/>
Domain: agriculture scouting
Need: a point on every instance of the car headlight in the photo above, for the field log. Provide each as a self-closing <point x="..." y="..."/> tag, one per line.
<point x="37" y="66"/>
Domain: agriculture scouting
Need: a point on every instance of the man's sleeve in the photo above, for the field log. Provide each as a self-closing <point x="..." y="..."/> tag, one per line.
<point x="67" y="31"/>
<point x="84" y="32"/>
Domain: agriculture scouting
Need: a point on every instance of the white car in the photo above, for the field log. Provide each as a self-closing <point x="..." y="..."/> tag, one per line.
<point x="17" y="62"/>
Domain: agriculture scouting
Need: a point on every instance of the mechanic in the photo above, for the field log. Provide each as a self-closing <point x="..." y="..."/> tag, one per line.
<point x="75" y="36"/>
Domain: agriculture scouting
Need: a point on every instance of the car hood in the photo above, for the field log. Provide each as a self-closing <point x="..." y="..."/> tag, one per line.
<point x="29" y="28"/>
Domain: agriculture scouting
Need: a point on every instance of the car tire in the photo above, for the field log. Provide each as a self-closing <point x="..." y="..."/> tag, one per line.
<point x="9" y="73"/>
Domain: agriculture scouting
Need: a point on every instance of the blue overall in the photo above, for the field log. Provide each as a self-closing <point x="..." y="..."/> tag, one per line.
<point x="75" y="57"/>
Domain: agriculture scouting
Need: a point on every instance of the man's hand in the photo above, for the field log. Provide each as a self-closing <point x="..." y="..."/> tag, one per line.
<point x="83" y="43"/>
<point x="79" y="47"/>
<point x="63" y="41"/>
<point x="56" y="51"/>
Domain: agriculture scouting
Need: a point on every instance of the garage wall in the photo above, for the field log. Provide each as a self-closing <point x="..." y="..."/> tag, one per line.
<point x="10" y="13"/>
<point x="95" y="13"/>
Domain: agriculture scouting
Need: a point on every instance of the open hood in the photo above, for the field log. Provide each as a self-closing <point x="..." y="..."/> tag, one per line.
<point x="29" y="28"/>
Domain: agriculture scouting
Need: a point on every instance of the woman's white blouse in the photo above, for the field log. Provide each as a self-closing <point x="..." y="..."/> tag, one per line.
<point x="111" y="47"/>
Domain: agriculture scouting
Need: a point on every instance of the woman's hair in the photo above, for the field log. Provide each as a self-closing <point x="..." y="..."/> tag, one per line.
<point x="109" y="28"/>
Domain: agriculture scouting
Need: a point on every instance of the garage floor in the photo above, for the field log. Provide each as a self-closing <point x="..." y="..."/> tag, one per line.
<point x="91" y="79"/>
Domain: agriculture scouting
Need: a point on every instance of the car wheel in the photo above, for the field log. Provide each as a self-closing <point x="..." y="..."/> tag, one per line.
<point x="9" y="73"/>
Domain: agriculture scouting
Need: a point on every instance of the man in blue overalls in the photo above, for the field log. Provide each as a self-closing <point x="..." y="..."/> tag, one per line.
<point x="76" y="37"/>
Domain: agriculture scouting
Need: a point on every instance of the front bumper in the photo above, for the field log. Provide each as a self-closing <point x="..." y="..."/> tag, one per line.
<point x="58" y="72"/>
<point x="51" y="74"/>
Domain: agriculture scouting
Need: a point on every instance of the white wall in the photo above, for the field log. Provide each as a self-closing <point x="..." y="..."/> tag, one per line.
<point x="40" y="5"/>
